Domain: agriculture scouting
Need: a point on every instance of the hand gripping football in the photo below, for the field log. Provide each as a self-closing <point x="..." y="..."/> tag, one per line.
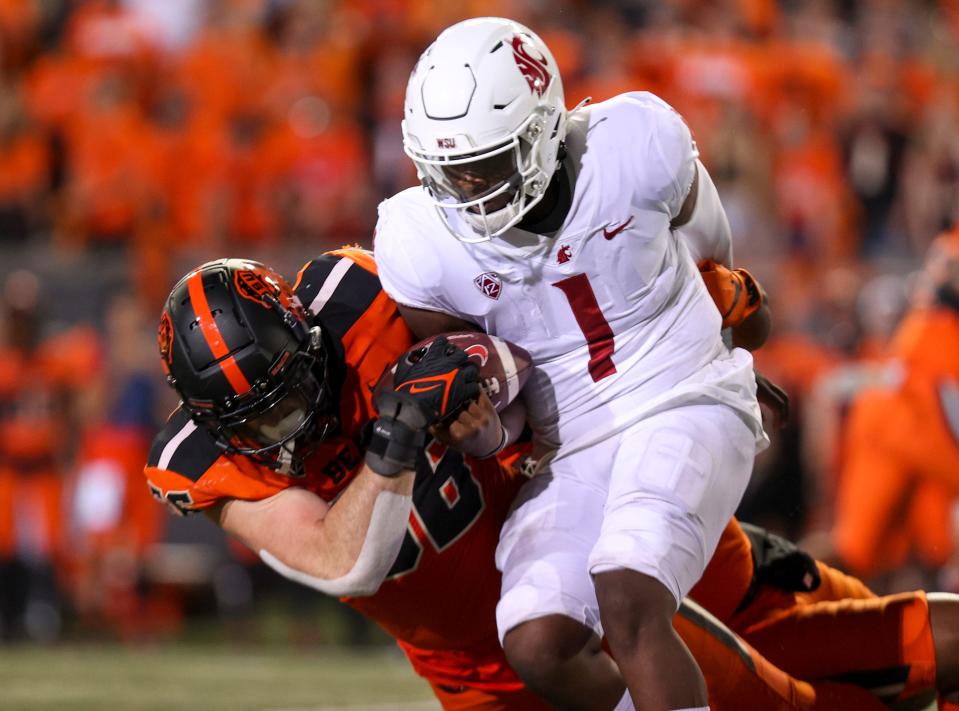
<point x="503" y="366"/>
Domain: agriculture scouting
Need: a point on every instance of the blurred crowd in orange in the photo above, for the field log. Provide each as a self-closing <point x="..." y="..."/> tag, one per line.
<point x="189" y="129"/>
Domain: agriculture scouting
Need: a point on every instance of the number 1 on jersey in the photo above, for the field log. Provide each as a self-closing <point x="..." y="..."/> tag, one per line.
<point x="599" y="335"/>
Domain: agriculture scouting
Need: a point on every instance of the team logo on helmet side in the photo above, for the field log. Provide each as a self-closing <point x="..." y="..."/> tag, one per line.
<point x="489" y="283"/>
<point x="533" y="68"/>
<point x="251" y="284"/>
<point x="165" y="337"/>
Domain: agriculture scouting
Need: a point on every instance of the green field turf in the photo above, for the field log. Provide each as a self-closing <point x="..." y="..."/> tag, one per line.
<point x="213" y="678"/>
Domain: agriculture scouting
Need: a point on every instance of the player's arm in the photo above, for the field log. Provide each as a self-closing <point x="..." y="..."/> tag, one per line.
<point x="348" y="548"/>
<point x="701" y="219"/>
<point x="482" y="432"/>
<point x="425" y="323"/>
<point x="702" y="222"/>
<point x="698" y="216"/>
<point x="342" y="549"/>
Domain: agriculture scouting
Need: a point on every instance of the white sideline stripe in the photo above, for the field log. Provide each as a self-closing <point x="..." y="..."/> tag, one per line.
<point x="329" y="286"/>
<point x="167" y="454"/>
<point x="509" y="368"/>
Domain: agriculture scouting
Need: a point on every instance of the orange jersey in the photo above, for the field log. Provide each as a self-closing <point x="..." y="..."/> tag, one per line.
<point x="901" y="454"/>
<point x="440" y="597"/>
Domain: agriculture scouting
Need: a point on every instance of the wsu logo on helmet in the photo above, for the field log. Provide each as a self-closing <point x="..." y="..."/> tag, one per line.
<point x="533" y="68"/>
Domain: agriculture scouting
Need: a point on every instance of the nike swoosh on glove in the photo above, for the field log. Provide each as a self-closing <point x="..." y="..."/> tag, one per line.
<point x="440" y="377"/>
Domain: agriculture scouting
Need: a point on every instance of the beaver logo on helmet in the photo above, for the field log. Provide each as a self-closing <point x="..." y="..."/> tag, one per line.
<point x="251" y="284"/>
<point x="533" y="68"/>
<point x="165" y="337"/>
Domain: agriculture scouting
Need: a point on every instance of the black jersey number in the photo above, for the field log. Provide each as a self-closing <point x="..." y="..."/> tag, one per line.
<point x="447" y="501"/>
<point x="179" y="502"/>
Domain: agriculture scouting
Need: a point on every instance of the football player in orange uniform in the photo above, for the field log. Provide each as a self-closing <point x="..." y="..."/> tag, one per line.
<point x="252" y="470"/>
<point x="441" y="585"/>
<point x="900" y="473"/>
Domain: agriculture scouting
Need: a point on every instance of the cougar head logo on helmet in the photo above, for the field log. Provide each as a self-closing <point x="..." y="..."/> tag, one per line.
<point x="483" y="122"/>
<point x="535" y="69"/>
<point x="238" y="348"/>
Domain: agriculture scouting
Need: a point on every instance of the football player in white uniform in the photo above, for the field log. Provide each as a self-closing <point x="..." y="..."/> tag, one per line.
<point x="576" y="234"/>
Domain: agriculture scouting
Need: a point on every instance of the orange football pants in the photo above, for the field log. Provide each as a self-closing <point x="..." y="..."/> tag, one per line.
<point x="843" y="632"/>
<point x="739" y="677"/>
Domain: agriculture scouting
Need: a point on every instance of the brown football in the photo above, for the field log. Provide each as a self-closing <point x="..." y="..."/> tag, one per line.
<point x="503" y="366"/>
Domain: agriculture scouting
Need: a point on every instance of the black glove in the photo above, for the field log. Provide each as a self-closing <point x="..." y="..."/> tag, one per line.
<point x="430" y="384"/>
<point x="778" y="563"/>
<point x="440" y="377"/>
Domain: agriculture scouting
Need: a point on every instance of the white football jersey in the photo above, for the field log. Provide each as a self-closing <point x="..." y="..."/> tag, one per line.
<point x="611" y="307"/>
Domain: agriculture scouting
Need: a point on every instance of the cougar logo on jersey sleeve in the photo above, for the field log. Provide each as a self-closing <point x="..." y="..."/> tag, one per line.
<point x="533" y="68"/>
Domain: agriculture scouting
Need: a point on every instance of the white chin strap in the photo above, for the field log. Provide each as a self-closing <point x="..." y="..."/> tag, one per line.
<point x="285" y="457"/>
<point x="491" y="224"/>
<point x="388" y="521"/>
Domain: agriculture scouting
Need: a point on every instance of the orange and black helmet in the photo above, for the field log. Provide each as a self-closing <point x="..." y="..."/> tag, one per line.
<point x="248" y="364"/>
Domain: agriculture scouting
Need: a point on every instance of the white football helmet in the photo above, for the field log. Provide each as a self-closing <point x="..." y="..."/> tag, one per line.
<point x="484" y="118"/>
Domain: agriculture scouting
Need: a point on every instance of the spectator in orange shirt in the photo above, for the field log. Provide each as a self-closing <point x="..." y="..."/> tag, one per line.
<point x="901" y="468"/>
<point x="36" y="394"/>
<point x="24" y="162"/>
<point x="112" y="519"/>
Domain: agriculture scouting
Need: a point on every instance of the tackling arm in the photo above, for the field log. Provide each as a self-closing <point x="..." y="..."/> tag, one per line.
<point x="342" y="549"/>
<point x="348" y="548"/>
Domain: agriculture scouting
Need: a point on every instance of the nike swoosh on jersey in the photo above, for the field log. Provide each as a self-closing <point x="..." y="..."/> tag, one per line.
<point x="609" y="234"/>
